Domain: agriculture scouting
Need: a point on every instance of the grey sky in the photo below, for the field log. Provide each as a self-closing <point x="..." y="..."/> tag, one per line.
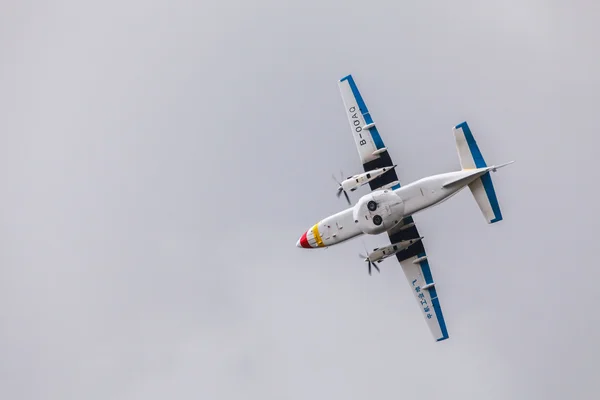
<point x="160" y="159"/>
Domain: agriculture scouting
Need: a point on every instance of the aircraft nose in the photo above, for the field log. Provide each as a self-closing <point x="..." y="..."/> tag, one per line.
<point x="303" y="242"/>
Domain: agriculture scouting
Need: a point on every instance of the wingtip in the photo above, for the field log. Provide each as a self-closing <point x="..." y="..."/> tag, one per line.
<point x="461" y="125"/>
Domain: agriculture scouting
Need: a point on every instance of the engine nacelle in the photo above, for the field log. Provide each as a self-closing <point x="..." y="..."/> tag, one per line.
<point x="355" y="181"/>
<point x="378" y="212"/>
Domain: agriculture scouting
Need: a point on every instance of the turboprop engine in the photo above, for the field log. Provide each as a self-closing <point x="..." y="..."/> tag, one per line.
<point x="380" y="254"/>
<point x="353" y="182"/>
<point x="378" y="212"/>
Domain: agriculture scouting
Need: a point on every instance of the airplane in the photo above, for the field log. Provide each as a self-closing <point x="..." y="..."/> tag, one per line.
<point x="389" y="207"/>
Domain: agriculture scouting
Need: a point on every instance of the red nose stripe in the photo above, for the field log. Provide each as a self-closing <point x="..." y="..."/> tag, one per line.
<point x="304" y="241"/>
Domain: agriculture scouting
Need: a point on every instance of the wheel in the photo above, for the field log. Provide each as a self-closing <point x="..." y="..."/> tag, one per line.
<point x="377" y="220"/>
<point x="371" y="205"/>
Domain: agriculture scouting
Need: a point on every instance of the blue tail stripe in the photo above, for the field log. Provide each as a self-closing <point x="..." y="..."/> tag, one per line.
<point x="364" y="111"/>
<point x="486" y="179"/>
<point x="434" y="300"/>
<point x="477" y="157"/>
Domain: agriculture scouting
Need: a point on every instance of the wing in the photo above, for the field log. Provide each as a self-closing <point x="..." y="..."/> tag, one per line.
<point x="418" y="273"/>
<point x="373" y="154"/>
<point x="371" y="150"/>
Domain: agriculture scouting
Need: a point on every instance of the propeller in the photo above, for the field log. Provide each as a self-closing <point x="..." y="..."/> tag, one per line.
<point x="340" y="188"/>
<point x="368" y="261"/>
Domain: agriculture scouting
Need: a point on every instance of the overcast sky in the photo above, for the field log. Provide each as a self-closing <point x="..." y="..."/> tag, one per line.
<point x="159" y="160"/>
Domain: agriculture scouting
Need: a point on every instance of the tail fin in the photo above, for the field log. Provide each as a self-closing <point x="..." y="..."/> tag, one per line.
<point x="483" y="191"/>
<point x="482" y="188"/>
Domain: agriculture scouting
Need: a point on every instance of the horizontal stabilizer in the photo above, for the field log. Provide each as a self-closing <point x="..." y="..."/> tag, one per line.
<point x="485" y="196"/>
<point x="468" y="152"/>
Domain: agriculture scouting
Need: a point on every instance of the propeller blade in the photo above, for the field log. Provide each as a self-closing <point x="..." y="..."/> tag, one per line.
<point x="338" y="194"/>
<point x="347" y="198"/>
<point x="376" y="267"/>
<point x="367" y="259"/>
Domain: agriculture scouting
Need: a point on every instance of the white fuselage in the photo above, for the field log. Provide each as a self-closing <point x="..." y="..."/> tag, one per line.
<point x="414" y="197"/>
